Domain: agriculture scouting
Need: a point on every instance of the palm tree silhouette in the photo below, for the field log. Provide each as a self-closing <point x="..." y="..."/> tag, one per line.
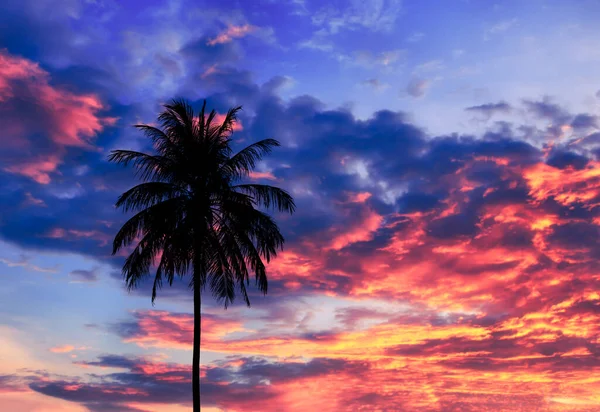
<point x="194" y="213"/>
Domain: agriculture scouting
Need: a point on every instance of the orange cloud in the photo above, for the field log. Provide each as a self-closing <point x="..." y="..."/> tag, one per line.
<point x="63" y="349"/>
<point x="66" y="348"/>
<point x="566" y="186"/>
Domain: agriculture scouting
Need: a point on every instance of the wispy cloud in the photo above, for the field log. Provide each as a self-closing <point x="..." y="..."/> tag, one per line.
<point x="374" y="16"/>
<point x="25" y="262"/>
<point x="417" y="87"/>
<point x="232" y="32"/>
<point x="498" y="28"/>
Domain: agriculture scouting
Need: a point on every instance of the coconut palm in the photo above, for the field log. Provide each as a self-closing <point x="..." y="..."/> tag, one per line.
<point x="195" y="216"/>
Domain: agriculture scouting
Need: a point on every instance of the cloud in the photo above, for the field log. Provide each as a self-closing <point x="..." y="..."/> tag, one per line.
<point x="584" y="121"/>
<point x="377" y="16"/>
<point x="429" y="66"/>
<point x="479" y="251"/>
<point x="64" y="119"/>
<point x="82" y="275"/>
<point x="66" y="349"/>
<point x="12" y="384"/>
<point x="237" y="126"/>
<point x="261" y="176"/>
<point x="418" y="87"/>
<point x="498" y="28"/>
<point x="424" y="272"/>
<point x="228" y="384"/>
<point x="546" y="109"/>
<point x="25" y="262"/>
<point x="232" y="32"/>
<point x="490" y="109"/>
<point x="30" y="200"/>
<point x="375" y="84"/>
<point x="172" y="330"/>
<point x="367" y="58"/>
<point x="415" y="37"/>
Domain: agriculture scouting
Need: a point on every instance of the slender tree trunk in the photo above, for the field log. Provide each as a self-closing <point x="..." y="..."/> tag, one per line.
<point x="197" y="331"/>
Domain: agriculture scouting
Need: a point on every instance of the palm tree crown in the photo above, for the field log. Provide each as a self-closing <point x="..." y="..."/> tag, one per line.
<point x="192" y="209"/>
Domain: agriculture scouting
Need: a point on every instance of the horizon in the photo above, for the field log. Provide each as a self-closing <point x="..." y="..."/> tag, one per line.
<point x="445" y="162"/>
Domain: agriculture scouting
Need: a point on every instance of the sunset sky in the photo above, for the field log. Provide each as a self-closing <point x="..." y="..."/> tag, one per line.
<point x="445" y="159"/>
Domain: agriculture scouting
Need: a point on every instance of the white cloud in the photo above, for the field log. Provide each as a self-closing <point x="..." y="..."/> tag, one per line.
<point x="374" y="15"/>
<point x="375" y="84"/>
<point x="429" y="66"/>
<point x="499" y="27"/>
<point x="24" y="262"/>
<point x="415" y="37"/>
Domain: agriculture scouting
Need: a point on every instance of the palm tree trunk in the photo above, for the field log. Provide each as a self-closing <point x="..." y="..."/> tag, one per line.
<point x="197" y="331"/>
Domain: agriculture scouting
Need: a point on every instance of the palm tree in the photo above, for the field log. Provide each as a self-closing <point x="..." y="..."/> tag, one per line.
<point x="194" y="216"/>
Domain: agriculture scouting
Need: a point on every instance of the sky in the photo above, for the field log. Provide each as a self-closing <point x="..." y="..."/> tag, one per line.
<point x="445" y="160"/>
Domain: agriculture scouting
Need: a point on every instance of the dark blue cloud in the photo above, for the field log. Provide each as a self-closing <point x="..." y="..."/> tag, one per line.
<point x="489" y="109"/>
<point x="546" y="109"/>
<point x="84" y="275"/>
<point x="564" y="159"/>
<point x="575" y="235"/>
<point x="463" y="224"/>
<point x="417" y="202"/>
<point x="224" y="386"/>
<point x="584" y="121"/>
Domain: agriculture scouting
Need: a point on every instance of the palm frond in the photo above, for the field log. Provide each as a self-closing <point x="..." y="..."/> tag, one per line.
<point x="162" y="143"/>
<point x="221" y="131"/>
<point x="148" y="194"/>
<point x="138" y="263"/>
<point x="147" y="167"/>
<point x="178" y="121"/>
<point x="268" y="196"/>
<point x="240" y="164"/>
<point x="160" y="217"/>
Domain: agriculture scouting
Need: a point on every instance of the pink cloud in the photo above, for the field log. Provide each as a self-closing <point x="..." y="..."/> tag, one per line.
<point x="211" y="70"/>
<point x="38" y="170"/>
<point x="237" y="126"/>
<point x="262" y="175"/>
<point x="232" y="32"/>
<point x="361" y="230"/>
<point x="31" y="200"/>
<point x="74" y="235"/>
<point x="65" y="117"/>
<point x="175" y="330"/>
<point x="56" y="233"/>
<point x="359" y="197"/>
